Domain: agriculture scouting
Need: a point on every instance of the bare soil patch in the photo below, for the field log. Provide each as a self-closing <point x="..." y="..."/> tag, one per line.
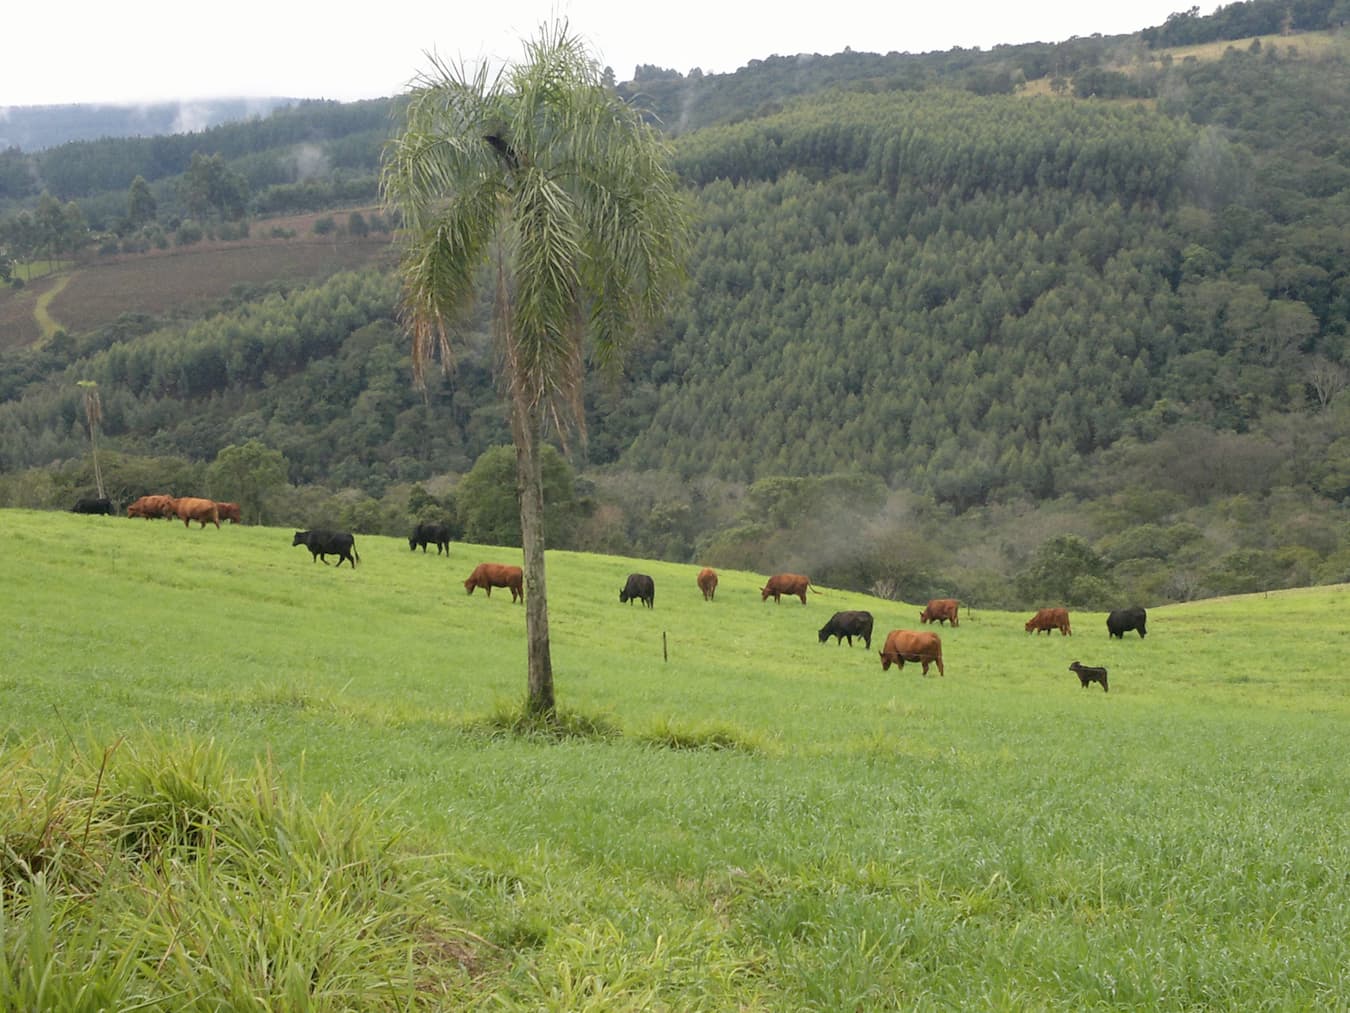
<point x="182" y="279"/>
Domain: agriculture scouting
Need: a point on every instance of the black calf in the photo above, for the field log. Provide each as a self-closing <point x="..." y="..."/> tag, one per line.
<point x="1088" y="675"/>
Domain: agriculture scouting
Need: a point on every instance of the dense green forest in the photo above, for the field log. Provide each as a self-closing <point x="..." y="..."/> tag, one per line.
<point x="945" y="332"/>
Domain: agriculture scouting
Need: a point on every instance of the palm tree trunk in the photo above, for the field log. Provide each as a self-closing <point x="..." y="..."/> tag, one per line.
<point x="530" y="485"/>
<point x="98" y="475"/>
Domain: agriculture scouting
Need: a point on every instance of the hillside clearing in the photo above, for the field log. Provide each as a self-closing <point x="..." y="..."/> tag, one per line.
<point x="97" y="291"/>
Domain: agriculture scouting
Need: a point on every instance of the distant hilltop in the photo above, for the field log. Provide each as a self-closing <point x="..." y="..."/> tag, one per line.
<point x="34" y="128"/>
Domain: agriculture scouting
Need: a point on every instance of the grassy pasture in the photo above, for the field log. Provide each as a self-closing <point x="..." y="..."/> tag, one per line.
<point x="841" y="839"/>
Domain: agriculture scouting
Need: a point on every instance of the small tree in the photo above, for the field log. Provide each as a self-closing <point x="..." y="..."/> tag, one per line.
<point x="210" y="187"/>
<point x="489" y="503"/>
<point x="1059" y="564"/>
<point x="141" y="205"/>
<point x="247" y="475"/>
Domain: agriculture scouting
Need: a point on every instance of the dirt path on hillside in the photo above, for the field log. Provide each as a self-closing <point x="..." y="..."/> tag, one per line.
<point x="46" y="323"/>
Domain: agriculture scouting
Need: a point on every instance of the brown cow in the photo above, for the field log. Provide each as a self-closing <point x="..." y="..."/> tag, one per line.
<point x="193" y="508"/>
<point x="152" y="506"/>
<point x="490" y="575"/>
<point x="707" y="583"/>
<point x="907" y="645"/>
<point x="1050" y="619"/>
<point x="229" y="512"/>
<point x="786" y="583"/>
<point x="941" y="610"/>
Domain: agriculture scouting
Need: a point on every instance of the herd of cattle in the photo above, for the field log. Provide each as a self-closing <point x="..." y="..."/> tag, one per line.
<point x="185" y="508"/>
<point x="920" y="647"/>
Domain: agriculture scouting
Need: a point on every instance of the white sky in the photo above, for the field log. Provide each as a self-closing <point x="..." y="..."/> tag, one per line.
<point x="93" y="51"/>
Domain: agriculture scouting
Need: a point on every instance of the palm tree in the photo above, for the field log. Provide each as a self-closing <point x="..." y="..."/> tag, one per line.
<point x="544" y="178"/>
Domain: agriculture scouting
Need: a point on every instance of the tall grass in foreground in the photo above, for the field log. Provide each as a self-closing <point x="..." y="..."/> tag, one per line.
<point x="147" y="876"/>
<point x="758" y="822"/>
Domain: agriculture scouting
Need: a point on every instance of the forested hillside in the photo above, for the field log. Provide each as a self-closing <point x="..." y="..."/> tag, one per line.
<point x="953" y="325"/>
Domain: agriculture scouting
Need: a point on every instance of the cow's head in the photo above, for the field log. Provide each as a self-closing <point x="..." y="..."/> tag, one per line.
<point x="301" y="538"/>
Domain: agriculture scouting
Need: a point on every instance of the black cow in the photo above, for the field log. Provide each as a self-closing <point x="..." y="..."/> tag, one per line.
<point x="1088" y="675"/>
<point x="90" y="505"/>
<point x="641" y="587"/>
<point x="848" y="624"/>
<point x="430" y="534"/>
<point x="1121" y="621"/>
<point x="322" y="544"/>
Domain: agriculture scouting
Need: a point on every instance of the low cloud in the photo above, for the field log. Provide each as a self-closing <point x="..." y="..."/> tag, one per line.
<point x="310" y="162"/>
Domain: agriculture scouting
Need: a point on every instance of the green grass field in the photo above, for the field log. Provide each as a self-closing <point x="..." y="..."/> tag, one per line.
<point x="760" y="821"/>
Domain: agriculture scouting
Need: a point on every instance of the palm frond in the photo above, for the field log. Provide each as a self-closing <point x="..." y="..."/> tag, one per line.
<point x="570" y="185"/>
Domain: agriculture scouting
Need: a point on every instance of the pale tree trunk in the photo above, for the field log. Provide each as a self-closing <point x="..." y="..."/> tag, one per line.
<point x="530" y="486"/>
<point x="98" y="475"/>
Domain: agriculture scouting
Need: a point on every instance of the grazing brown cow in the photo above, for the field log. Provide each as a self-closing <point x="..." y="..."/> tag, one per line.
<point x="941" y="610"/>
<point x="152" y="506"/>
<point x="907" y="645"/>
<point x="229" y="512"/>
<point x="707" y="583"/>
<point x="1050" y="619"/>
<point x="490" y="575"/>
<point x="193" y="508"/>
<point x="786" y="583"/>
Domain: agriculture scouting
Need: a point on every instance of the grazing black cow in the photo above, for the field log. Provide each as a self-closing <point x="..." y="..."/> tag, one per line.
<point x="641" y="587"/>
<point x="848" y="624"/>
<point x="322" y="544"/>
<point x="1088" y="675"/>
<point x="1121" y="621"/>
<point x="430" y="534"/>
<point x="90" y="505"/>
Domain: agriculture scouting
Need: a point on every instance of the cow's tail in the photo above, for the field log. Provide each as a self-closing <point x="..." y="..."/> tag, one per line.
<point x="812" y="588"/>
<point x="355" y="555"/>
